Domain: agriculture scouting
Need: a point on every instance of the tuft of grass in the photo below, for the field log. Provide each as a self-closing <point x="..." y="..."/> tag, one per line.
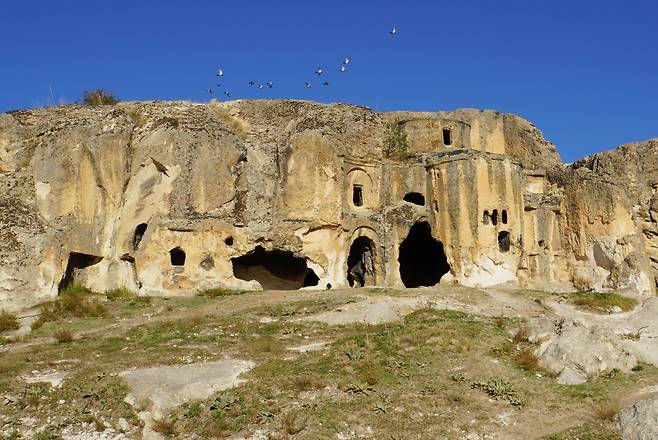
<point x="74" y="302"/>
<point x="166" y="427"/>
<point x="239" y="126"/>
<point x="122" y="293"/>
<point x="602" y="301"/>
<point x="136" y="116"/>
<point x="527" y="359"/>
<point x="98" y="97"/>
<point x="293" y="423"/>
<point x="219" y="292"/>
<point x="608" y="410"/>
<point x="63" y="335"/>
<point x="309" y="382"/>
<point x="523" y="334"/>
<point x="8" y="321"/>
<point x="499" y="389"/>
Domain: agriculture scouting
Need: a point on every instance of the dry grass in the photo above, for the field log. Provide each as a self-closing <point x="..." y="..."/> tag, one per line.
<point x="293" y="423"/>
<point x="98" y="97"/>
<point x="8" y="321"/>
<point x="121" y="293"/>
<point x="602" y="301"/>
<point x="239" y="126"/>
<point x="309" y="382"/>
<point x="523" y="334"/>
<point x="63" y="335"/>
<point x="136" y="116"/>
<point x="527" y="359"/>
<point x="608" y="409"/>
<point x="165" y="427"/>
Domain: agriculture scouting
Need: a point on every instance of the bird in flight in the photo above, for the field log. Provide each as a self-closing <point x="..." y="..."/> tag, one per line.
<point x="394" y="31"/>
<point x="269" y="84"/>
<point x="307" y="84"/>
<point x="346" y="61"/>
<point x="326" y="83"/>
<point x="261" y="86"/>
<point x="318" y="71"/>
<point x="219" y="84"/>
<point x="251" y="83"/>
<point x="220" y="72"/>
<point x="210" y="91"/>
<point x="228" y="95"/>
<point x="342" y="68"/>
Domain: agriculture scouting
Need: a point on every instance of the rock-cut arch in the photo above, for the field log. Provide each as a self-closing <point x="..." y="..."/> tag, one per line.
<point x="422" y="259"/>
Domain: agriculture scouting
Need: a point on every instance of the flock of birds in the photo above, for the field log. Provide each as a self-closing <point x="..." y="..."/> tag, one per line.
<point x="269" y="84"/>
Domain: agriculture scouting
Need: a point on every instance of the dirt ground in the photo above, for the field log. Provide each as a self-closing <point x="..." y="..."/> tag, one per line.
<point x="432" y="363"/>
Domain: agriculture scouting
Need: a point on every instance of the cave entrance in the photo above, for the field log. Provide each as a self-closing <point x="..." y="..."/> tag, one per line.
<point x="140" y="230"/>
<point x="422" y="259"/>
<point x="361" y="263"/>
<point x="415" y="198"/>
<point x="76" y="263"/>
<point x="274" y="270"/>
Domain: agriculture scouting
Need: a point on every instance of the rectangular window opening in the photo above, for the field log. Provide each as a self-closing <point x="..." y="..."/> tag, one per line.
<point x="357" y="195"/>
<point x="447" y="138"/>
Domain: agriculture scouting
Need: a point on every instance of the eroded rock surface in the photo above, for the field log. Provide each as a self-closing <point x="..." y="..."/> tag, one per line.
<point x="175" y="197"/>
<point x="639" y="421"/>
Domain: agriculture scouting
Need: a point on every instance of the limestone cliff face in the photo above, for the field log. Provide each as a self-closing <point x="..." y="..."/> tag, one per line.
<point x="173" y="197"/>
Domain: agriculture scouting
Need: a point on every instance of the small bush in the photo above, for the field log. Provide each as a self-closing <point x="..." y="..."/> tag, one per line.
<point x="395" y="142"/>
<point x="8" y="321"/>
<point x="63" y="335"/>
<point x="98" y="97"/>
<point x="602" y="301"/>
<point x="527" y="359"/>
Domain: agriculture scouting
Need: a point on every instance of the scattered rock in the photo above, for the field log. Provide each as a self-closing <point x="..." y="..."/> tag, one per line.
<point x="639" y="421"/>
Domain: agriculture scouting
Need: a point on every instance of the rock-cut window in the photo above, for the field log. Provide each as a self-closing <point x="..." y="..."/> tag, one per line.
<point x="357" y="195"/>
<point x="447" y="137"/>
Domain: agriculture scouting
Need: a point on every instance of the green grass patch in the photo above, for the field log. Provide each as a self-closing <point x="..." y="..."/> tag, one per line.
<point x="220" y="292"/>
<point x="603" y="302"/>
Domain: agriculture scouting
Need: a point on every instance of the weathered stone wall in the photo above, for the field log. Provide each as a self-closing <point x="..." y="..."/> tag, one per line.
<point x="114" y="196"/>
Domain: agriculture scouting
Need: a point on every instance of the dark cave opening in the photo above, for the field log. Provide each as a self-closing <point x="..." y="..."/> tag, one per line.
<point x="504" y="241"/>
<point x="177" y="256"/>
<point x="415" y="198"/>
<point x="77" y="261"/>
<point x="361" y="263"/>
<point x="422" y="259"/>
<point x="274" y="270"/>
<point x="140" y="230"/>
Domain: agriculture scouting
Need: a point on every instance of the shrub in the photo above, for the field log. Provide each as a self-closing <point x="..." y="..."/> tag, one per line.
<point x="607" y="410"/>
<point x="63" y="335"/>
<point x="98" y="97"/>
<point x="527" y="359"/>
<point x="8" y="321"/>
<point x="120" y="293"/>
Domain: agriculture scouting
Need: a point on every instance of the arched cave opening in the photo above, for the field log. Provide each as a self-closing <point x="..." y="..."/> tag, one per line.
<point x="140" y="230"/>
<point x="177" y="256"/>
<point x="504" y="241"/>
<point x="415" y="198"/>
<point x="503" y="216"/>
<point x="361" y="263"/>
<point x="274" y="270"/>
<point x="422" y="259"/>
<point x="76" y="263"/>
<point x="494" y="217"/>
<point x="485" y="217"/>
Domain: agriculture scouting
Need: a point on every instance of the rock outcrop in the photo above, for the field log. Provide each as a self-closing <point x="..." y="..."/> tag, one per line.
<point x="171" y="197"/>
<point x="639" y="421"/>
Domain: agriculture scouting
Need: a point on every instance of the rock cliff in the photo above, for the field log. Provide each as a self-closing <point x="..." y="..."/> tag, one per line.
<point x="174" y="197"/>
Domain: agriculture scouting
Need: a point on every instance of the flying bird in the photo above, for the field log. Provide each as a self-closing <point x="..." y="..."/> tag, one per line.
<point x="261" y="86"/>
<point x="228" y="95"/>
<point x="220" y="72"/>
<point x="158" y="166"/>
<point x="318" y="71"/>
<point x="307" y="84"/>
<point x="326" y="83"/>
<point x="394" y="31"/>
<point x="210" y="91"/>
<point x="219" y="84"/>
<point x="251" y="83"/>
<point x="269" y="84"/>
<point x="346" y="61"/>
<point x="342" y="68"/>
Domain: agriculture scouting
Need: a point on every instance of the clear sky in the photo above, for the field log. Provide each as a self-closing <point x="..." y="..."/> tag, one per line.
<point x="585" y="72"/>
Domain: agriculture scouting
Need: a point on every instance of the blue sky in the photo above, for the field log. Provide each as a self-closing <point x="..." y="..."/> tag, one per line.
<point x="585" y="72"/>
